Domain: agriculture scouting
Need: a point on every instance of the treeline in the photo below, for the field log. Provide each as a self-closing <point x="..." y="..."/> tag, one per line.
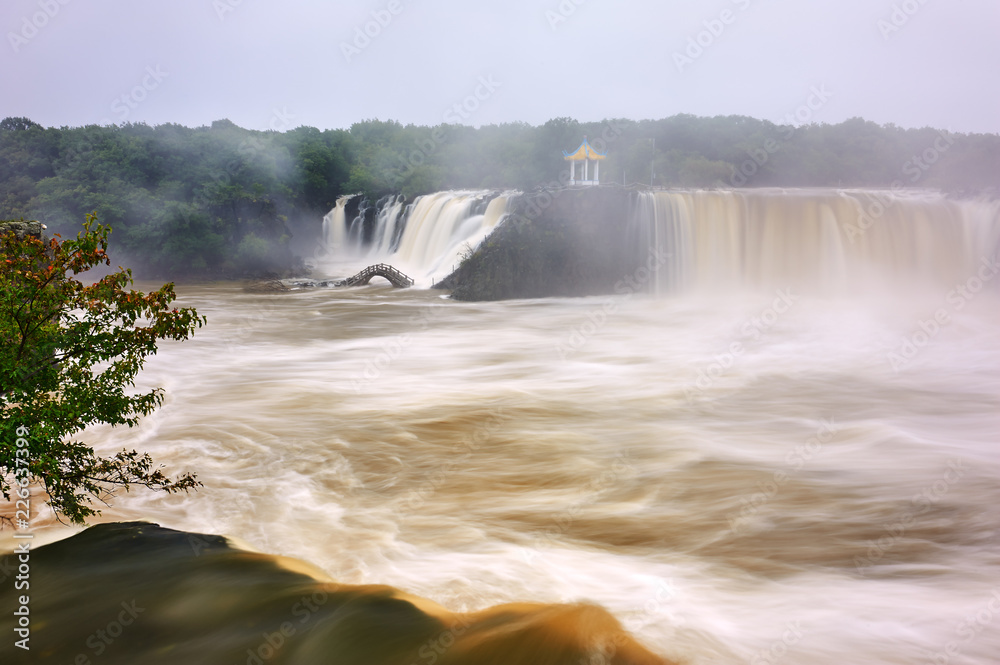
<point x="223" y="201"/>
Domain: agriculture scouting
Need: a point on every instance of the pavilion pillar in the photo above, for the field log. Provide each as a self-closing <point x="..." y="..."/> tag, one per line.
<point x="584" y="154"/>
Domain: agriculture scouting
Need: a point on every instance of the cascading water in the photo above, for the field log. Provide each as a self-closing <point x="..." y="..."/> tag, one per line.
<point x="831" y="241"/>
<point x="821" y="240"/>
<point x="389" y="212"/>
<point x="736" y="478"/>
<point x="335" y="225"/>
<point x="425" y="239"/>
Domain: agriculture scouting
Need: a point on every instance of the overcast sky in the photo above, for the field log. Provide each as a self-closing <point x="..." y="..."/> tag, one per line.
<point x="283" y="64"/>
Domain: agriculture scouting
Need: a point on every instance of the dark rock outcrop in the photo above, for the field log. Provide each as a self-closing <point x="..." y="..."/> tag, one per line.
<point x="126" y="593"/>
<point x="22" y="228"/>
<point x="559" y="242"/>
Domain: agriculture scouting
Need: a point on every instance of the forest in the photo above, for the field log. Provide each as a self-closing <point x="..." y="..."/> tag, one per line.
<point x="221" y="201"/>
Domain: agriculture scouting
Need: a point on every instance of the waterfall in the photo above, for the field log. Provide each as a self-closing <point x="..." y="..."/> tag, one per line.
<point x="388" y="213"/>
<point x="335" y="225"/>
<point x="426" y="239"/>
<point x="821" y="240"/>
<point x="817" y="240"/>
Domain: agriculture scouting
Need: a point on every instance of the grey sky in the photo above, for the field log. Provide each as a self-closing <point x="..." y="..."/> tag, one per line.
<point x="70" y="62"/>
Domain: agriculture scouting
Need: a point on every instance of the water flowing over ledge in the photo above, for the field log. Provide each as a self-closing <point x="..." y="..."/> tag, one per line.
<point x="610" y="240"/>
<point x="826" y="240"/>
<point x="735" y="476"/>
<point x="426" y="238"/>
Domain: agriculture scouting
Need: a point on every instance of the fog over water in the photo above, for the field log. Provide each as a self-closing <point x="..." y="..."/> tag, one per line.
<point x="774" y="443"/>
<point x="740" y="474"/>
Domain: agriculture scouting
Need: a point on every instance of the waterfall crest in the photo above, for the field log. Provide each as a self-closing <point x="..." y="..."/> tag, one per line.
<point x="824" y="240"/>
<point x="426" y="238"/>
<point x="818" y="240"/>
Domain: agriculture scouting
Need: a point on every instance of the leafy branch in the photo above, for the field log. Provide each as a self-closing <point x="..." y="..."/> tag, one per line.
<point x="70" y="353"/>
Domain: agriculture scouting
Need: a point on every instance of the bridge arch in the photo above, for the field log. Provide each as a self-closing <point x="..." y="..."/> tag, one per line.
<point x="395" y="277"/>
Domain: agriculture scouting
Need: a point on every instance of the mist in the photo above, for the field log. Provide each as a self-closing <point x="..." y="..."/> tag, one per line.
<point x="328" y="65"/>
<point x="732" y="400"/>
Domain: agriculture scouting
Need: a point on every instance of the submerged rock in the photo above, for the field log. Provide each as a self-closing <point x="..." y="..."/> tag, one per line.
<point x="139" y="593"/>
<point x="266" y="286"/>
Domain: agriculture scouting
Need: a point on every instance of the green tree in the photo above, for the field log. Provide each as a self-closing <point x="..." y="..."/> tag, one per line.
<point x="69" y="353"/>
<point x="697" y="171"/>
<point x="422" y="180"/>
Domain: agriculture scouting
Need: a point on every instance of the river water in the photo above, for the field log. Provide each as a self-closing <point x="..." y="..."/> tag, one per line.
<point x="768" y="475"/>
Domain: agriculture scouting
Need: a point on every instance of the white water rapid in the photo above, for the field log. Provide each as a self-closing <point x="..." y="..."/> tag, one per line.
<point x="789" y="456"/>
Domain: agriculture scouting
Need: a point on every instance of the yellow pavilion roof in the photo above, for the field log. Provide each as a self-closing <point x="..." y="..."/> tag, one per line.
<point x="585" y="151"/>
